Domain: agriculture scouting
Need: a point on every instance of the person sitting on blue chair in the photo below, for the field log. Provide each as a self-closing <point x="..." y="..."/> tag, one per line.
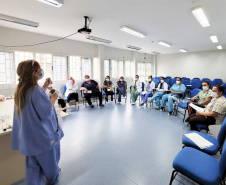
<point x="215" y="111"/>
<point x="121" y="86"/>
<point x="136" y="87"/>
<point x="91" y="88"/>
<point x="107" y="87"/>
<point x="71" y="92"/>
<point x="177" y="91"/>
<point x="203" y="96"/>
<point x="162" y="88"/>
<point x="149" y="87"/>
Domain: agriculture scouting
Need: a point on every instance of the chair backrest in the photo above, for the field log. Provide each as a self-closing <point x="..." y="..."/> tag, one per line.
<point x="196" y="78"/>
<point x="173" y="81"/>
<point x="212" y="84"/>
<point x="142" y="86"/>
<point x="206" y="79"/>
<point x="195" y="84"/>
<point x="222" y="162"/>
<point x="64" y="89"/>
<point x="218" y="81"/>
<point x="167" y="80"/>
<point x="222" y="134"/>
<point x="186" y="82"/>
<point x="195" y="91"/>
<point x="225" y="88"/>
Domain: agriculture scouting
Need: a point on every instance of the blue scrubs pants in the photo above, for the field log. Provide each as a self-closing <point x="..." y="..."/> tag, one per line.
<point x="43" y="165"/>
<point x="144" y="98"/>
<point x="157" y="97"/>
<point x="170" y="101"/>
<point x="120" y="92"/>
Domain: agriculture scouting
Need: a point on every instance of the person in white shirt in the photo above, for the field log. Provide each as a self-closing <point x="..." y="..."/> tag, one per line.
<point x="71" y="92"/>
<point x="148" y="88"/>
<point x="136" y="86"/>
<point x="162" y="88"/>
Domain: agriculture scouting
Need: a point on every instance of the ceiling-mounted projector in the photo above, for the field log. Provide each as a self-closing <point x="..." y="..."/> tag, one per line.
<point x="85" y="29"/>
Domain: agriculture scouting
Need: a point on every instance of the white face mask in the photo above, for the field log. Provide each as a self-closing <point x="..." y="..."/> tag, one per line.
<point x="205" y="88"/>
<point x="178" y="82"/>
<point x="70" y="81"/>
<point x="121" y="80"/>
<point x="136" y="79"/>
<point x="214" y="94"/>
<point x="162" y="81"/>
<point x="87" y="79"/>
<point x="50" y="85"/>
<point x="107" y="79"/>
<point x="149" y="80"/>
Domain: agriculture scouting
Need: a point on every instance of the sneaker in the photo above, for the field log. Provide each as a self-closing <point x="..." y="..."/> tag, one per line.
<point x="118" y="102"/>
<point x="141" y="105"/>
<point x="133" y="103"/>
<point x="106" y="99"/>
<point x="101" y="105"/>
<point x="170" y="113"/>
<point x="187" y="120"/>
<point x="91" y="106"/>
<point x="161" y="108"/>
<point x="157" y="108"/>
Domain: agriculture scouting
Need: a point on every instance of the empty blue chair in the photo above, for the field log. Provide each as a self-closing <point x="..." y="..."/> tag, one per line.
<point x="218" y="81"/>
<point x="199" y="166"/>
<point x="196" y="84"/>
<point x="167" y="80"/>
<point x="183" y="105"/>
<point x="217" y="143"/>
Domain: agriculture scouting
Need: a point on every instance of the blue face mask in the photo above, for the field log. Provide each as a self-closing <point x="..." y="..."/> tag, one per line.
<point x="42" y="75"/>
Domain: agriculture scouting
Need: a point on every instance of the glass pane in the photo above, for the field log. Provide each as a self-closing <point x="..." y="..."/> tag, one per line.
<point x="114" y="68"/>
<point x="75" y="67"/>
<point x="86" y="67"/>
<point x="106" y="68"/>
<point x="59" y="68"/>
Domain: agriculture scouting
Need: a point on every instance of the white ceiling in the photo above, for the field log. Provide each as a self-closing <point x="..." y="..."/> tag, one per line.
<point x="167" y="20"/>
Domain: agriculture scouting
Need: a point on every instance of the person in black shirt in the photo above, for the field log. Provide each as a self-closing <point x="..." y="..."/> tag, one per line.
<point x="107" y="85"/>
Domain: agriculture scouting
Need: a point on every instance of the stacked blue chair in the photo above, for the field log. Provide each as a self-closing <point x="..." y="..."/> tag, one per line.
<point x="217" y="143"/>
<point x="183" y="105"/>
<point x="200" y="167"/>
<point x="218" y="81"/>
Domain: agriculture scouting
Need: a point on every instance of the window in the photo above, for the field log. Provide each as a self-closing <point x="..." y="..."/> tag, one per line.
<point x="22" y="56"/>
<point x="106" y="68"/>
<point x="120" y="68"/>
<point x="144" y="70"/>
<point x="96" y="69"/>
<point x="128" y="69"/>
<point x="148" y="68"/>
<point x="6" y="68"/>
<point x="59" y="68"/>
<point x="45" y="61"/>
<point x="114" y="68"/>
<point x="86" y="67"/>
<point x="75" y="67"/>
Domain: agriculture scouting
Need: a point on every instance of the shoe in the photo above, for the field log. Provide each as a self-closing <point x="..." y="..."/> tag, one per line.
<point x="170" y="113"/>
<point x="133" y="103"/>
<point x="157" y="108"/>
<point x="118" y="102"/>
<point x="59" y="171"/>
<point x="67" y="105"/>
<point x="141" y="105"/>
<point x="106" y="99"/>
<point x="111" y="99"/>
<point x="91" y="106"/>
<point x="161" y="108"/>
<point x="101" y="105"/>
<point x="187" y="120"/>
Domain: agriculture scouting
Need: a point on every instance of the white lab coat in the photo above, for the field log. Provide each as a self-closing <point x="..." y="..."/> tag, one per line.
<point x="165" y="87"/>
<point x="71" y="88"/>
<point x="152" y="86"/>
<point x="138" y="84"/>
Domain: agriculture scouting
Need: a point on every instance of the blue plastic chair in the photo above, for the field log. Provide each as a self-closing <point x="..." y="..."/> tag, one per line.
<point x="196" y="79"/>
<point x="105" y="94"/>
<point x="167" y="80"/>
<point x="225" y="88"/>
<point x="205" y="79"/>
<point x="200" y="167"/>
<point x="212" y="84"/>
<point x="218" y="81"/>
<point x="196" y="84"/>
<point x="94" y="97"/>
<point x="64" y="91"/>
<point x="183" y="105"/>
<point x="217" y="143"/>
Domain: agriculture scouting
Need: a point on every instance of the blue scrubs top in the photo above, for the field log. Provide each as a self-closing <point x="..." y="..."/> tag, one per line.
<point x="178" y="88"/>
<point x="92" y="86"/>
<point x="121" y="84"/>
<point x="36" y="130"/>
<point x="148" y="87"/>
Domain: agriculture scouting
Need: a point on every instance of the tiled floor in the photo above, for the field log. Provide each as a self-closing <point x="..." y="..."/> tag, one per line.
<point x="119" y="145"/>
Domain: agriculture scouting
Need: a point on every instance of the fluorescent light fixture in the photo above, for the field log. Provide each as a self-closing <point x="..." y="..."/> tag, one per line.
<point x="98" y="39"/>
<point x="183" y="50"/>
<point x="219" y="47"/>
<point x="133" y="47"/>
<point x="18" y="21"/>
<point x="214" y="38"/>
<point x="200" y="16"/>
<point x="155" y="53"/>
<point x="56" y="3"/>
<point x="132" y="31"/>
<point x="164" y="44"/>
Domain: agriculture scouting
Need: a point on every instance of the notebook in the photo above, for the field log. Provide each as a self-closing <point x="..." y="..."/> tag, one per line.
<point x="199" y="140"/>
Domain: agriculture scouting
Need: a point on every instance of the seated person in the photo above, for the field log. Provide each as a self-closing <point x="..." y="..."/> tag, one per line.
<point x="71" y="92"/>
<point x="136" y="87"/>
<point x="177" y="91"/>
<point x="148" y="88"/>
<point x="91" y="88"/>
<point x="60" y="101"/>
<point x="204" y="97"/>
<point x="107" y="85"/>
<point x="162" y="88"/>
<point x="121" y="88"/>
<point x="215" y="111"/>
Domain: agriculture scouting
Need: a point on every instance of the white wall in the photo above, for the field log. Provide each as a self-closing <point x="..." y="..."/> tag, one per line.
<point x="206" y="64"/>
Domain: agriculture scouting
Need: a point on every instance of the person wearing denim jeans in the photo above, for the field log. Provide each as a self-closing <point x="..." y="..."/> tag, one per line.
<point x="121" y="86"/>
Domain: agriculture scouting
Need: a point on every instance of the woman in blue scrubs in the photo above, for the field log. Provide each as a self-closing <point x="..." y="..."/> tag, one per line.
<point x="177" y="91"/>
<point x="36" y="133"/>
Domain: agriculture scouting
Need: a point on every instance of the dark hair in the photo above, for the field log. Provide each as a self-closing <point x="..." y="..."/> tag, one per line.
<point x="220" y="88"/>
<point x="137" y="75"/>
<point x="121" y="77"/>
<point x="180" y="78"/>
<point x="162" y="78"/>
<point x="108" y="77"/>
<point x="150" y="76"/>
<point x="208" y="83"/>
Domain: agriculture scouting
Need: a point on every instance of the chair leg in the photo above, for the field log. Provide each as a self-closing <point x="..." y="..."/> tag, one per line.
<point x="174" y="173"/>
<point x="185" y="111"/>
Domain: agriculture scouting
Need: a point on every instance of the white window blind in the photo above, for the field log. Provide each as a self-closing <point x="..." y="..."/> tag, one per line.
<point x="128" y="69"/>
<point x="75" y="67"/>
<point x="147" y="69"/>
<point x="59" y="68"/>
<point x="141" y="71"/>
<point x="114" y="68"/>
<point x="96" y="69"/>
<point x="106" y="68"/>
<point x="86" y="67"/>
<point x="6" y="68"/>
<point x="120" y="68"/>
<point x="22" y="56"/>
<point x="45" y="61"/>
